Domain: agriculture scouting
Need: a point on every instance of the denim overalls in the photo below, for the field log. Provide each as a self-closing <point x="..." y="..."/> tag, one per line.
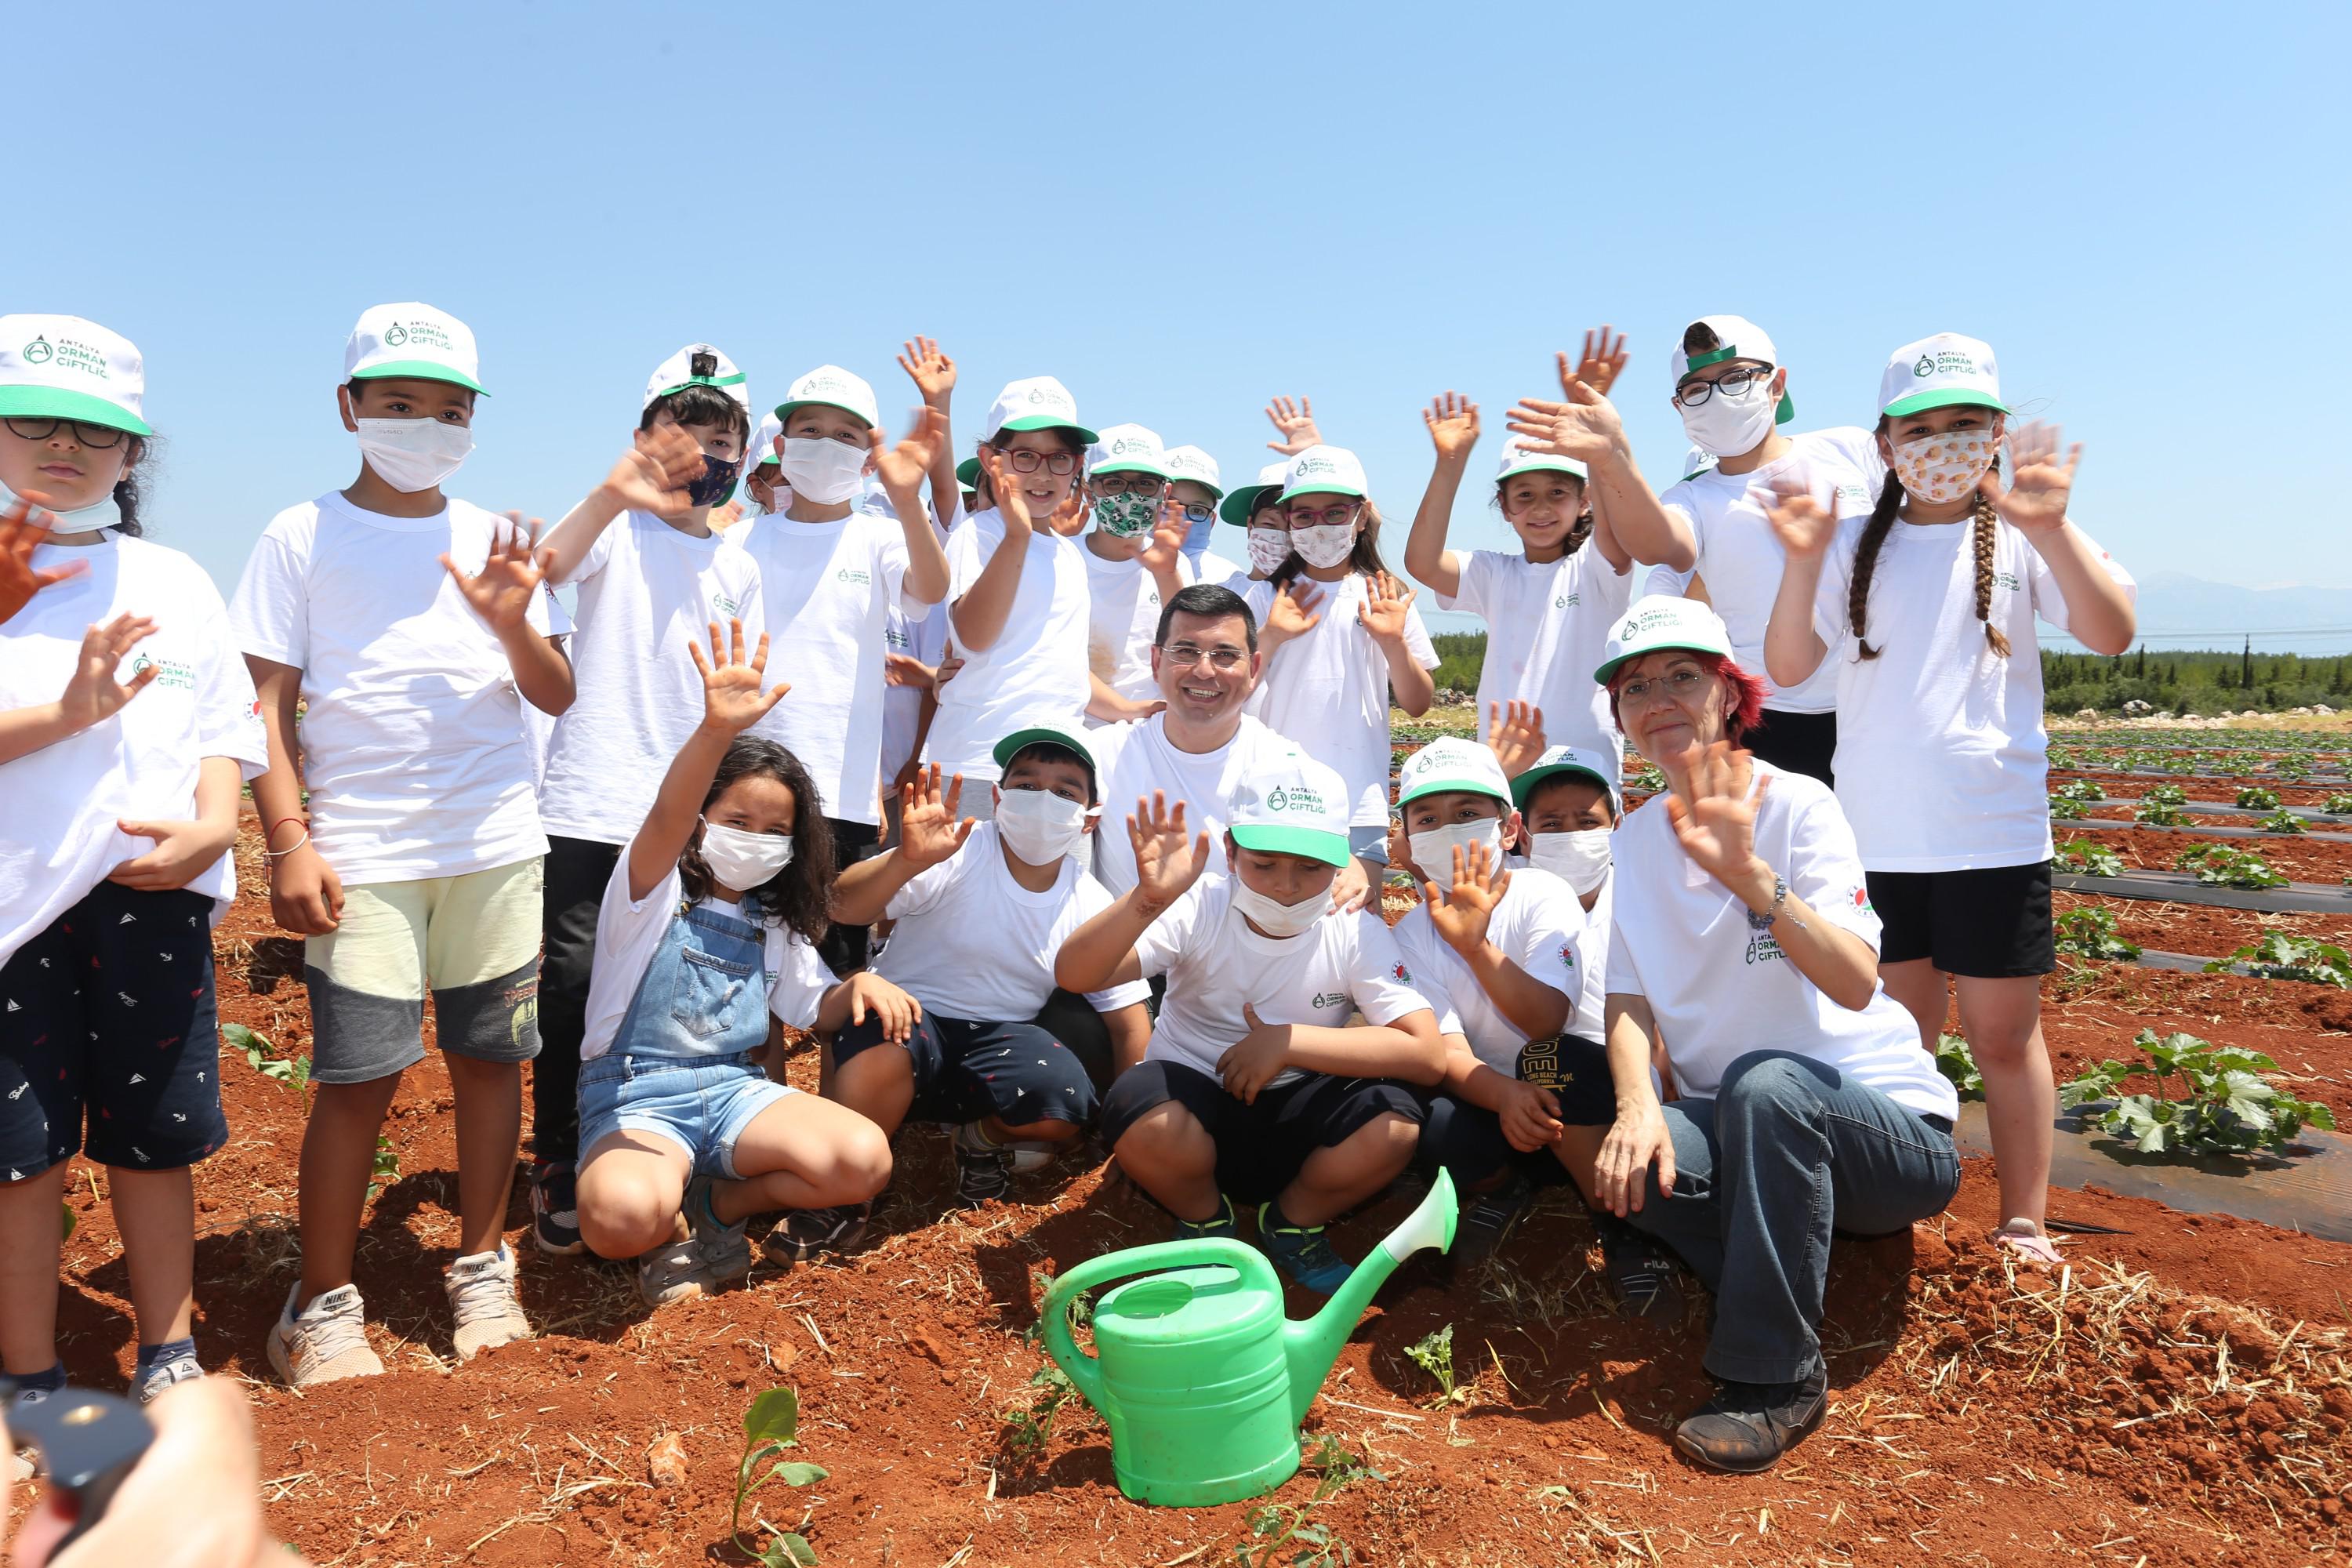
<point x="681" y="1065"/>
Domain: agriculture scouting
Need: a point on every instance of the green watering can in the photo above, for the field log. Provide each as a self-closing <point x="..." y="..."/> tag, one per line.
<point x="1201" y="1378"/>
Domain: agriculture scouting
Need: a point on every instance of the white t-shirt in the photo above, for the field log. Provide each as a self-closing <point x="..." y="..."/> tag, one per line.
<point x="647" y="595"/>
<point x="1592" y="960"/>
<point x="1214" y="569"/>
<point x="1123" y="620"/>
<point x="1950" y="766"/>
<point x="1138" y="758"/>
<point x="629" y="933"/>
<point x="1215" y="964"/>
<point x="1716" y="980"/>
<point x="1547" y="627"/>
<point x="1740" y="559"/>
<point x="827" y="589"/>
<point x="974" y="945"/>
<point x="1331" y="683"/>
<point x="1034" y="671"/>
<point x="58" y="833"/>
<point x="412" y="742"/>
<point x="1538" y="926"/>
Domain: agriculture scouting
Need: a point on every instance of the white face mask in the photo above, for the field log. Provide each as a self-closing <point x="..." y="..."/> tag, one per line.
<point x="1729" y="424"/>
<point x="1947" y="466"/>
<point x="824" y="471"/>
<point x="1324" y="545"/>
<point x="1038" y="825"/>
<point x="412" y="455"/>
<point x="1277" y="918"/>
<point x="1268" y="549"/>
<point x="741" y="861"/>
<point x="1580" y="859"/>
<point x="81" y="519"/>
<point x="1433" y="848"/>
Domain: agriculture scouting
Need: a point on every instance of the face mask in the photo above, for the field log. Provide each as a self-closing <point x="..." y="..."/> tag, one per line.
<point x="716" y="483"/>
<point x="81" y="519"/>
<point x="823" y="471"/>
<point x="1324" y="545"/>
<point x="1580" y="859"/>
<point x="741" y="861"/>
<point x="1268" y="549"/>
<point x="412" y="455"/>
<point x="1433" y="848"/>
<point x="1278" y="919"/>
<point x="1039" y="827"/>
<point x="1124" y="517"/>
<point x="1944" y="468"/>
<point x="1729" y="424"/>
<point x="1196" y="536"/>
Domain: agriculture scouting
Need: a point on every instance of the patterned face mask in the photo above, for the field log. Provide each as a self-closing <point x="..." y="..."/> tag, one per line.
<point x="1944" y="468"/>
<point x="1268" y="549"/>
<point x="1124" y="517"/>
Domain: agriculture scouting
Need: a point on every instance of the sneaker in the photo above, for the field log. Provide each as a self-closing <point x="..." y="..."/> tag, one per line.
<point x="328" y="1341"/>
<point x="711" y="1253"/>
<point x="808" y="1234"/>
<point x="1747" y="1426"/>
<point x="983" y="1167"/>
<point x="555" y="1209"/>
<point x="149" y="1380"/>
<point x="483" y="1300"/>
<point x="1028" y="1157"/>
<point x="1642" y="1270"/>
<point x="1224" y="1224"/>
<point x="1302" y="1252"/>
<point x="1489" y="1219"/>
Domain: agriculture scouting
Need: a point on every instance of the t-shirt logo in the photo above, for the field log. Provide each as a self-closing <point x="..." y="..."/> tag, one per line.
<point x="1861" y="901"/>
<point x="852" y="574"/>
<point x="2005" y="580"/>
<point x="1567" y="956"/>
<point x="723" y="605"/>
<point x="1565" y="600"/>
<point x="170" y="672"/>
<point x="1330" y="999"/>
<point x="37" y="352"/>
<point x="1400" y="975"/>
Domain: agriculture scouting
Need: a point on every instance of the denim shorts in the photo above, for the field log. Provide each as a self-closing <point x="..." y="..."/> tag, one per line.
<point x="700" y="1104"/>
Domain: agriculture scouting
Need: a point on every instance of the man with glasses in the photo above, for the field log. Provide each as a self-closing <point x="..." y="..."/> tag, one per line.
<point x="1134" y="563"/>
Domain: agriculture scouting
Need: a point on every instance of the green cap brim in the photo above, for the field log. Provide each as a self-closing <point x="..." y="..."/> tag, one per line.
<point x="57" y="403"/>
<point x="1451" y="786"/>
<point x="1010" y="747"/>
<point x="784" y="410"/>
<point x="968" y="473"/>
<point x="1525" y="784"/>
<point x="1943" y="397"/>
<point x="1238" y="506"/>
<point x="418" y="370"/>
<point x="1311" y="843"/>
<point x="1047" y="422"/>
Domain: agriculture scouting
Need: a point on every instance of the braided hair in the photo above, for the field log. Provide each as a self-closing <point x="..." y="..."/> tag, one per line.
<point x="1986" y="535"/>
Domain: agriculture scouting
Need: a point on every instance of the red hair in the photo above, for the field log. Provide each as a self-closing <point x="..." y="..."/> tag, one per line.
<point x="1747" y="708"/>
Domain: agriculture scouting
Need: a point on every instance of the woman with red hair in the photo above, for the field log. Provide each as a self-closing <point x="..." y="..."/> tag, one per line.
<point x="1743" y="935"/>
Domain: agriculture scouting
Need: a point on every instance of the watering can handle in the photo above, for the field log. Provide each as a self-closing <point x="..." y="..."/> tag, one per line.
<point x="1053" y="1318"/>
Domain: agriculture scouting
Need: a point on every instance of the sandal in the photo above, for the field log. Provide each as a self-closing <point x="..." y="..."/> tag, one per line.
<point x="2028" y="1240"/>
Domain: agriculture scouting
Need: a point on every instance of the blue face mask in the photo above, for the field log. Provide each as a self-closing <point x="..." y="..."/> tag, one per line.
<point x="716" y="483"/>
<point x="1196" y="535"/>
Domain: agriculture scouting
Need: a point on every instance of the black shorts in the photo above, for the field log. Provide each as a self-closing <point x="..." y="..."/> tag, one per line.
<point x="1468" y="1140"/>
<point x="1988" y="923"/>
<point x="110" y="1019"/>
<point x="1801" y="742"/>
<point x="1261" y="1145"/>
<point x="964" y="1070"/>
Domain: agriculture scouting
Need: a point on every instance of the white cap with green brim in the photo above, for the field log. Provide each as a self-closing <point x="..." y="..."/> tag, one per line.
<point x="1048" y="735"/>
<point x="763" y="445"/>
<point x="833" y="387"/>
<point x="1662" y="621"/>
<point x="63" y="367"/>
<point x="968" y="476"/>
<point x="1126" y="449"/>
<point x="675" y="373"/>
<point x="1519" y="458"/>
<point x="413" y="340"/>
<point x="1243" y="503"/>
<point x="1292" y="805"/>
<point x="1565" y="762"/>
<point x="1736" y="337"/>
<point x="1193" y="464"/>
<point x="1034" y="403"/>
<point x="1937" y="372"/>
<point x="1325" y="470"/>
<point x="1451" y="765"/>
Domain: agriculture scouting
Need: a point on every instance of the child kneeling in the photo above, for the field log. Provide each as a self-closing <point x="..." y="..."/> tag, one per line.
<point x="1252" y="1085"/>
<point x="712" y="917"/>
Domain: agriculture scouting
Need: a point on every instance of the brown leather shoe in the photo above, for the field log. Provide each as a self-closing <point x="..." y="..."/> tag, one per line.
<point x="1747" y="1426"/>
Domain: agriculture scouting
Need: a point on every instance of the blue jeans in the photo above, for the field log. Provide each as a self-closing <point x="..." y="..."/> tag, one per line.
<point x="1787" y="1149"/>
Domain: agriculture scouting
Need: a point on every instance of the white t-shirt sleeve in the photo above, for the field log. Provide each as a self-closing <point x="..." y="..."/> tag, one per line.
<point x="228" y="716"/>
<point x="1825" y="868"/>
<point x="1476" y="584"/>
<point x="2050" y="601"/>
<point x="1831" y="620"/>
<point x="271" y="612"/>
<point x="890" y="559"/>
<point x="924" y="892"/>
<point x="968" y="554"/>
<point x="1382" y="983"/>
<point x="1093" y="897"/>
<point x="1547" y="941"/>
<point x="1416" y="640"/>
<point x="797" y="978"/>
<point x="1165" y="940"/>
<point x="598" y="555"/>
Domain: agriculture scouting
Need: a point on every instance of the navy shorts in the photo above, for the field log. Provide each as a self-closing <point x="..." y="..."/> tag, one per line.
<point x="1990" y="923"/>
<point x="1260" y="1146"/>
<point x="964" y="1071"/>
<point x="109" y="1018"/>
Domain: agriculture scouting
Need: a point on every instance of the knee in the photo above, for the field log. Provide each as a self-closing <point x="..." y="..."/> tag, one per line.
<point x="1770" y="1081"/>
<point x="861" y="1165"/>
<point x="1167" y="1135"/>
<point x="476" y="1072"/>
<point x="1389" y="1139"/>
<point x="618" y="1221"/>
<point x="2008" y="1047"/>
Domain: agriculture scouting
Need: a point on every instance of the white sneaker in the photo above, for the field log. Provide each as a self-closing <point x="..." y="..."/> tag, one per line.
<point x="482" y="1299"/>
<point x="328" y="1341"/>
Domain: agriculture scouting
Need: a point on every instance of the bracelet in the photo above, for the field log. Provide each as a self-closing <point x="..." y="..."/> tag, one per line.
<point x="1780" y="901"/>
<point x="281" y="853"/>
<point x="280" y="823"/>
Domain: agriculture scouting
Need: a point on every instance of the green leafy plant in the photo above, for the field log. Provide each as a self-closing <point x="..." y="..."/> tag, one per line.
<point x="2282" y="956"/>
<point x="1434" y="1355"/>
<point x="1335" y="1465"/>
<point x="384" y="1169"/>
<point x="2291" y="768"/>
<point x="2156" y="814"/>
<point x="1957" y="1062"/>
<point x="2284" y="821"/>
<point x="2225" y="1102"/>
<point x="2091" y="933"/>
<point x="772" y="1426"/>
<point x="2065" y="757"/>
<point x="2081" y="857"/>
<point x="2218" y="866"/>
<point x="1026" y="1428"/>
<point x="2065" y="808"/>
<point x="2167" y="794"/>
<point x="1283" y="1535"/>
<point x="2338" y="804"/>
<point x="264" y="1057"/>
<point x="2254" y="797"/>
<point x="2086" y="791"/>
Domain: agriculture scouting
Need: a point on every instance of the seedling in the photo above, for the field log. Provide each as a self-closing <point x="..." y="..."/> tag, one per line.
<point x="2065" y="808"/>
<point x="2280" y="956"/>
<point x="2085" y="791"/>
<point x="2156" y="814"/>
<point x="264" y="1057"/>
<point x="2065" y="757"/>
<point x="1336" y="1465"/>
<point x="2167" y="794"/>
<point x="2219" y="867"/>
<point x="2226" y="1103"/>
<point x="2081" y="857"/>
<point x="2338" y="804"/>
<point x="1434" y="1355"/>
<point x="384" y="1168"/>
<point x="1282" y="1536"/>
<point x="2254" y="797"/>
<point x="2091" y="933"/>
<point x="2284" y="821"/>
<point x="771" y="1427"/>
<point x="1957" y="1062"/>
<point x="1028" y="1428"/>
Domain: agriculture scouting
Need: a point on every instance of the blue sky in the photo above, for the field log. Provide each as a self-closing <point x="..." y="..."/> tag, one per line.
<point x="1180" y="211"/>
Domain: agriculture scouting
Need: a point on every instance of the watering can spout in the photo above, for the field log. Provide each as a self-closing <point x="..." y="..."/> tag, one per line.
<point x="1313" y="1345"/>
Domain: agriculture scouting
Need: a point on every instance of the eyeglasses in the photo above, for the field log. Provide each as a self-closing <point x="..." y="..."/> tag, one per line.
<point x="1691" y="393"/>
<point x="99" y="436"/>
<point x="1329" y="517"/>
<point x="1199" y="511"/>
<point x="1184" y="656"/>
<point x="1126" y="484"/>
<point x="1023" y="461"/>
<point x="1676" y="684"/>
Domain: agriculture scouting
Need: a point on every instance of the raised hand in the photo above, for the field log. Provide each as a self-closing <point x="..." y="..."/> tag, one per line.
<point x="1514" y="733"/>
<point x="24" y="526"/>
<point x="1600" y="366"/>
<point x="929" y="831"/>
<point x="1167" y="861"/>
<point x="1461" y="917"/>
<point x="653" y="475"/>
<point x="1802" y="525"/>
<point x="1296" y="421"/>
<point x="732" y="699"/>
<point x="1166" y="545"/>
<point x="933" y="374"/>
<point x="2034" y="500"/>
<point x="1289" y="614"/>
<point x="1069" y="518"/>
<point x="510" y="574"/>
<point x="1453" y="422"/>
<point x="1717" y="824"/>
<point x="902" y="467"/>
<point x="1585" y="428"/>
<point x="1257" y="1059"/>
<point x="946" y="672"/>
<point x="92" y="695"/>
<point x="1012" y="507"/>
<point x="1388" y="602"/>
